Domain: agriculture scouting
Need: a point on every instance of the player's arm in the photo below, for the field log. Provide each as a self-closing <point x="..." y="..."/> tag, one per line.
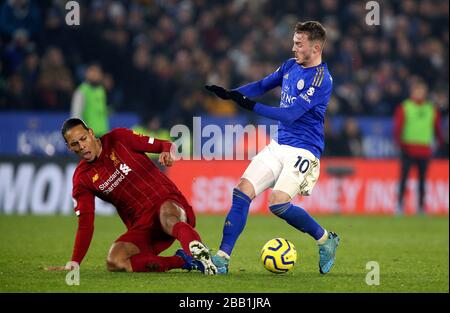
<point x="146" y="144"/>
<point x="437" y="128"/>
<point x="257" y="88"/>
<point x="309" y="98"/>
<point x="399" y="120"/>
<point x="84" y="208"/>
<point x="260" y="87"/>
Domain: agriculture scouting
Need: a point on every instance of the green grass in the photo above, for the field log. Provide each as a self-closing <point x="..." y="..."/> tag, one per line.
<point x="412" y="253"/>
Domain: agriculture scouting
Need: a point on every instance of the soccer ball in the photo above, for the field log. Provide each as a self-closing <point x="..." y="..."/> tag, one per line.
<point x="278" y="255"/>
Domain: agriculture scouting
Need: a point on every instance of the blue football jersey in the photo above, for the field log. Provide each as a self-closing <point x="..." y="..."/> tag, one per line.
<point x="305" y="93"/>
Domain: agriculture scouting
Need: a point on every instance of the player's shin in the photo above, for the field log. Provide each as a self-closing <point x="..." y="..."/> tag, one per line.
<point x="185" y="234"/>
<point x="235" y="221"/>
<point x="300" y="219"/>
<point x="147" y="262"/>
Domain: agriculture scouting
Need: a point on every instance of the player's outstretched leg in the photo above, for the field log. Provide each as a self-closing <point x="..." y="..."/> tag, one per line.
<point x="188" y="238"/>
<point x="301" y="220"/>
<point x="173" y="221"/>
<point x="233" y="227"/>
<point x="202" y="255"/>
<point x="126" y="256"/>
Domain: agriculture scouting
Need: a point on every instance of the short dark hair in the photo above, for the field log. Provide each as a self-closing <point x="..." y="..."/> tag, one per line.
<point x="314" y="30"/>
<point x="71" y="123"/>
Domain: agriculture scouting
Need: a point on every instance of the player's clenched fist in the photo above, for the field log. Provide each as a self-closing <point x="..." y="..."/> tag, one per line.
<point x="165" y="158"/>
<point x="234" y="95"/>
<point x="219" y="91"/>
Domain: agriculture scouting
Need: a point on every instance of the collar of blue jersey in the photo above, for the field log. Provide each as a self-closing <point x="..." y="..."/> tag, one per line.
<point x="312" y="67"/>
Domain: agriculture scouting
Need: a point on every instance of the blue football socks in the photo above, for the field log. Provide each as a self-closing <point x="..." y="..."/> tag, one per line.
<point x="235" y="220"/>
<point x="298" y="218"/>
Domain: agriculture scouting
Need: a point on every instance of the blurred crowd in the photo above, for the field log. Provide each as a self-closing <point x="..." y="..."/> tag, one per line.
<point x="157" y="55"/>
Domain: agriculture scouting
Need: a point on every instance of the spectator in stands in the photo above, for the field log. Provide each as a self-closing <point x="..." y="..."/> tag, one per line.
<point x="141" y="85"/>
<point x="17" y="50"/>
<point x="55" y="82"/>
<point x="228" y="42"/>
<point x="152" y="126"/>
<point x="417" y="124"/>
<point x="351" y="138"/>
<point x="3" y="88"/>
<point x="29" y="71"/>
<point x="15" y="97"/>
<point x="15" y="14"/>
<point x="165" y="86"/>
<point x="89" y="101"/>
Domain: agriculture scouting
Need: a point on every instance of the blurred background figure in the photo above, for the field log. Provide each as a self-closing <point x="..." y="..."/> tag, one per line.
<point x="417" y="124"/>
<point x="55" y="82"/>
<point x="152" y="126"/>
<point x="352" y="139"/>
<point x="155" y="56"/>
<point x="89" y="101"/>
<point x="15" y="14"/>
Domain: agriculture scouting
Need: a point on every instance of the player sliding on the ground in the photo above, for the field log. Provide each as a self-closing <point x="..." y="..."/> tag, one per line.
<point x="290" y="164"/>
<point x="116" y="169"/>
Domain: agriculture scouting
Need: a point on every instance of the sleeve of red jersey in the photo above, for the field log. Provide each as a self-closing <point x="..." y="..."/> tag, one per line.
<point x="142" y="143"/>
<point x="84" y="206"/>
<point x="437" y="128"/>
<point x="398" y="124"/>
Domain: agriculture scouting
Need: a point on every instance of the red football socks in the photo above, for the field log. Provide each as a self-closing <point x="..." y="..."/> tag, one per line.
<point x="147" y="262"/>
<point x="185" y="234"/>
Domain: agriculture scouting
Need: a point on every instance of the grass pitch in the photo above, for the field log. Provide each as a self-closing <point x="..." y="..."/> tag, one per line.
<point x="412" y="253"/>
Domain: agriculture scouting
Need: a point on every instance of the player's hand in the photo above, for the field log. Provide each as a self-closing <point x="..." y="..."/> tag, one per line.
<point x="218" y="91"/>
<point x="242" y="100"/>
<point x="165" y="158"/>
<point x="57" y="268"/>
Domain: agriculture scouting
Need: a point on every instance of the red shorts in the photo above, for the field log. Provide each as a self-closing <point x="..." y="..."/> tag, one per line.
<point x="147" y="233"/>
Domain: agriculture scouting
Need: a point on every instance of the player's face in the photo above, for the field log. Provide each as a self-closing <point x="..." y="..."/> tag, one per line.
<point x="419" y="92"/>
<point x="302" y="48"/>
<point x="83" y="142"/>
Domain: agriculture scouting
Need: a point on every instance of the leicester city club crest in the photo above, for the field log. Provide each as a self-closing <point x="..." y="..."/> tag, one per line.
<point x="300" y="84"/>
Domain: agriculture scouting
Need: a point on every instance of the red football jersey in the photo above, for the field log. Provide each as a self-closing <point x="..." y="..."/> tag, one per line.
<point x="122" y="175"/>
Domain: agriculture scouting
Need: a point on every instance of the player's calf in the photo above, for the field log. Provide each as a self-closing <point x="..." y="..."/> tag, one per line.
<point x="118" y="265"/>
<point x="300" y="219"/>
<point x="119" y="256"/>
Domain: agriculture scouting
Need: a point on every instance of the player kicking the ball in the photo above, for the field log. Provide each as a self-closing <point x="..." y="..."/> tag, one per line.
<point x="290" y="164"/>
<point x="116" y="169"/>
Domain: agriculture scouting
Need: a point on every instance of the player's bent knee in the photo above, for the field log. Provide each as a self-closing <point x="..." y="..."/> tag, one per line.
<point x="245" y="186"/>
<point x="112" y="266"/>
<point x="170" y="214"/>
<point x="279" y="197"/>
